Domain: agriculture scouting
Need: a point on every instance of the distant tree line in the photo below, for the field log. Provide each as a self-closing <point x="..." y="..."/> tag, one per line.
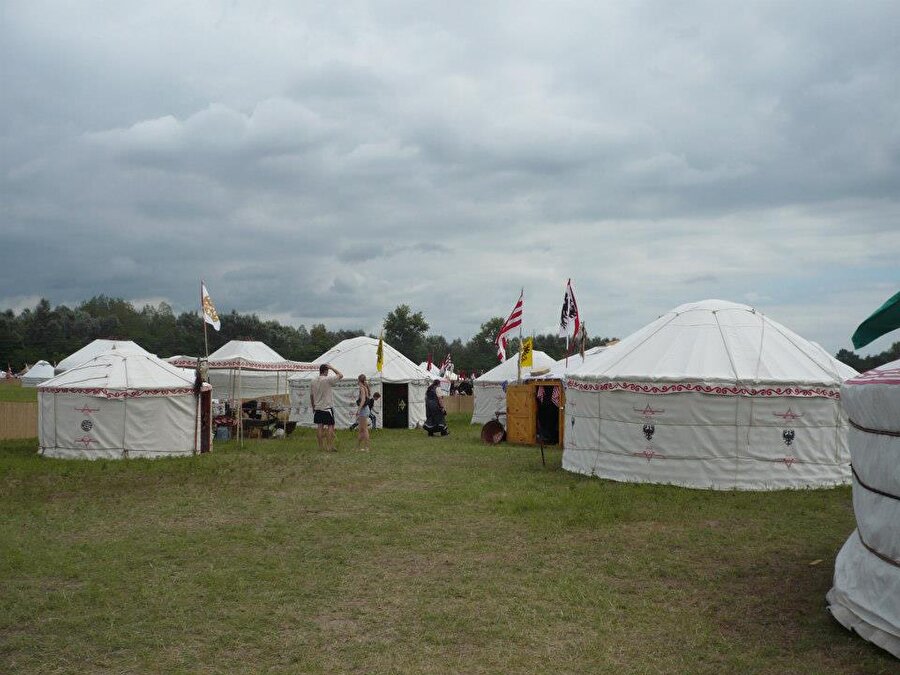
<point x="52" y="333"/>
<point x="864" y="363"/>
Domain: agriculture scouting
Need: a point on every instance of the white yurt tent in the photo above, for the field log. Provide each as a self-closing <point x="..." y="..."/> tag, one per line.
<point x="865" y="597"/>
<point x="714" y="395"/>
<point x="246" y="370"/>
<point x="39" y="372"/>
<point x="401" y="383"/>
<point x="94" y="348"/>
<point x="122" y="404"/>
<point x="490" y="388"/>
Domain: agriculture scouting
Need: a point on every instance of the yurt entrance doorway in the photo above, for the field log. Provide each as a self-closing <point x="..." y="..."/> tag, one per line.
<point x="534" y="413"/>
<point x="395" y="406"/>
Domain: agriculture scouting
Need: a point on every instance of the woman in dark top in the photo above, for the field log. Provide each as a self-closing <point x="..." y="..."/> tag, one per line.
<point x="435" y="415"/>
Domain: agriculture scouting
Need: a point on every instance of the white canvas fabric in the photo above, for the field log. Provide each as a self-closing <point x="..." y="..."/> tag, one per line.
<point x="490" y="388"/>
<point x="118" y="404"/>
<point x="865" y="596"/>
<point x="354" y="357"/>
<point x="711" y="395"/>
<point x="39" y="372"/>
<point x="96" y="347"/>
<point x="246" y="370"/>
<point x="435" y="374"/>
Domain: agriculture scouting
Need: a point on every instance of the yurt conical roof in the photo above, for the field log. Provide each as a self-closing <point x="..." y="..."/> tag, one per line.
<point x="117" y="372"/>
<point x="96" y="347"/>
<point x="358" y="355"/>
<point x="715" y="341"/>
<point x="39" y="372"/>
<point x="508" y="370"/>
<point x="248" y="350"/>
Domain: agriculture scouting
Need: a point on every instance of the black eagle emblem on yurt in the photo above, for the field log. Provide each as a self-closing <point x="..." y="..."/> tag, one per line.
<point x="788" y="436"/>
<point x="649" y="430"/>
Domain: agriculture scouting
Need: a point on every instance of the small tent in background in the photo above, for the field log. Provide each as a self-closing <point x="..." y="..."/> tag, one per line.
<point x="94" y="348"/>
<point x="122" y="404"/>
<point x="246" y="370"/>
<point x="401" y="383"/>
<point x="865" y="597"/>
<point x="490" y="389"/>
<point x="435" y="373"/>
<point x="714" y="395"/>
<point x="39" y="372"/>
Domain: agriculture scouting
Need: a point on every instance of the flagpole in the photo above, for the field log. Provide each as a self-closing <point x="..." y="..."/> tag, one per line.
<point x="203" y="318"/>
<point x="519" y="360"/>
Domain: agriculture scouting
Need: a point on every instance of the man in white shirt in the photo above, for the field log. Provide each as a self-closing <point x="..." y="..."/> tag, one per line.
<point x="322" y="399"/>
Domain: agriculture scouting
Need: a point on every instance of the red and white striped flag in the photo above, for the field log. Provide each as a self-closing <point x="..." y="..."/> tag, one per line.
<point x="513" y="322"/>
<point x="554" y="396"/>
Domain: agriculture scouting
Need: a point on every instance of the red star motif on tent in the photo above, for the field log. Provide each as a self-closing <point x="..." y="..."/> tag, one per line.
<point x="87" y="411"/>
<point x="648" y="411"/>
<point x="648" y="454"/>
<point x="789" y="461"/>
<point x="85" y="440"/>
<point x="789" y="415"/>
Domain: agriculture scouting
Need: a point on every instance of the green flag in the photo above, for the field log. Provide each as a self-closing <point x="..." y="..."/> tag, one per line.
<point x="885" y="319"/>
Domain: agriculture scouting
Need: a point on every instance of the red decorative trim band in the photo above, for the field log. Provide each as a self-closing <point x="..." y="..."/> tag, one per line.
<point x="102" y="392"/>
<point x="241" y="364"/>
<point x="721" y="390"/>
<point x="877" y="376"/>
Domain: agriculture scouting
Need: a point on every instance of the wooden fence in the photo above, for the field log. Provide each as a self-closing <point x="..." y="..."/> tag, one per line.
<point x="18" y="420"/>
<point x="459" y="404"/>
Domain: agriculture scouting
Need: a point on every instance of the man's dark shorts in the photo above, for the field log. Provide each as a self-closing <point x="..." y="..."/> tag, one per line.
<point x="325" y="417"/>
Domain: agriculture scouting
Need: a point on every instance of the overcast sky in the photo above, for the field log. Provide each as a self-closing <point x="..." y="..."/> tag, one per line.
<point x="326" y="161"/>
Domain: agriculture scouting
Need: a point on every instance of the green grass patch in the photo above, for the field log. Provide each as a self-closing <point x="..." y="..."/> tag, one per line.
<point x="425" y="555"/>
<point x="13" y="391"/>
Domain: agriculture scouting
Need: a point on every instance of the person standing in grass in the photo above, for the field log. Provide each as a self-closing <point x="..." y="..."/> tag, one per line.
<point x="364" y="402"/>
<point x="321" y="396"/>
<point x="435" y="415"/>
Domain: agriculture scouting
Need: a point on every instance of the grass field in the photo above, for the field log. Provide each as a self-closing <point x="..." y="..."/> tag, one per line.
<point x="425" y="555"/>
<point x="13" y="391"/>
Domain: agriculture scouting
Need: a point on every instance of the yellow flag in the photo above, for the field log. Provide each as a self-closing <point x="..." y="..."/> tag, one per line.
<point x="379" y="354"/>
<point x="526" y="356"/>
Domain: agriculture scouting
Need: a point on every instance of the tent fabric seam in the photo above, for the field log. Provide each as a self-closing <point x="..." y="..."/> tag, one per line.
<point x="870" y="488"/>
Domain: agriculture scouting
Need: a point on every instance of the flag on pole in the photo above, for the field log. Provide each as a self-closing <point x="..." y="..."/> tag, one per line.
<point x="569" y="321"/>
<point x="446" y="365"/>
<point x="885" y="319"/>
<point x="379" y="353"/>
<point x="526" y="356"/>
<point x="554" y="396"/>
<point x="513" y="322"/>
<point x="209" y="311"/>
<point x="430" y="362"/>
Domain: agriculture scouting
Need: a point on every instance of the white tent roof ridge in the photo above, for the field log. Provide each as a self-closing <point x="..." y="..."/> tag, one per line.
<point x="675" y="348"/>
<point x="120" y="373"/>
<point x="244" y="355"/>
<point x="358" y="353"/>
<point x="95" y="347"/>
<point x="507" y="370"/>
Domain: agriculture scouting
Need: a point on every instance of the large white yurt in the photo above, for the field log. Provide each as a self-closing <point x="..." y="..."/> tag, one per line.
<point x="122" y="404"/>
<point x="39" y="372"/>
<point x="865" y="597"/>
<point x="711" y="395"/>
<point x="246" y="370"/>
<point x="490" y="388"/>
<point x="94" y="348"/>
<point x="401" y="383"/>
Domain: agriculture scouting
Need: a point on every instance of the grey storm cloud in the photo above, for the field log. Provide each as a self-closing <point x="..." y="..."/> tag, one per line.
<point x="328" y="163"/>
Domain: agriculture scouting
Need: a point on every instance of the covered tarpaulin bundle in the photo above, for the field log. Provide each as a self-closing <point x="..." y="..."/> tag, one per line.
<point x="715" y="395"/>
<point x="401" y="385"/>
<point x="119" y="404"/>
<point x="490" y="388"/>
<point x="865" y="597"/>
